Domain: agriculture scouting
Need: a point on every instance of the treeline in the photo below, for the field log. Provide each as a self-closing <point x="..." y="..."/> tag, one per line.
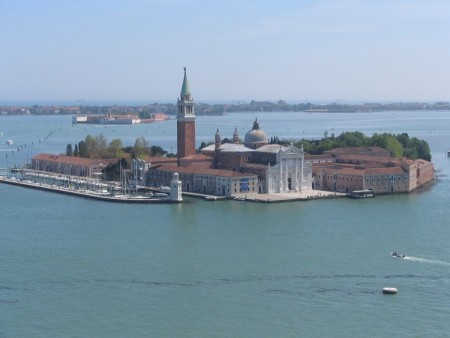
<point x="400" y="145"/>
<point x="98" y="147"/>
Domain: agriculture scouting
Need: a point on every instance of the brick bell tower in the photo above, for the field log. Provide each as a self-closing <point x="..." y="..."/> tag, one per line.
<point x="185" y="121"/>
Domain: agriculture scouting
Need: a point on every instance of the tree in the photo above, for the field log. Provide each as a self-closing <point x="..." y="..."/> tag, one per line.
<point x="157" y="151"/>
<point x="75" y="152"/>
<point x="69" y="151"/>
<point x="141" y="147"/>
<point x="352" y="139"/>
<point x="82" y="149"/>
<point x="91" y="148"/>
<point x="115" y="148"/>
<point x="394" y="146"/>
<point x="101" y="145"/>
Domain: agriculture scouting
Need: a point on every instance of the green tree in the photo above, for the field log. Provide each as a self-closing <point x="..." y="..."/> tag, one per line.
<point x="394" y="146"/>
<point x="404" y="140"/>
<point x="352" y="139"/>
<point x="101" y="145"/>
<point x="157" y="151"/>
<point x="91" y="146"/>
<point x="82" y="149"/>
<point x="141" y="147"/>
<point x="115" y="148"/>
<point x="69" y="151"/>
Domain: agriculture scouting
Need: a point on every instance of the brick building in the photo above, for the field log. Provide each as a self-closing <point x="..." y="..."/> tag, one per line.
<point x="355" y="169"/>
<point x="70" y="165"/>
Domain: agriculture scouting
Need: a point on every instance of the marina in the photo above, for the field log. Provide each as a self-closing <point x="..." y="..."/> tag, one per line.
<point x="100" y="195"/>
<point x="84" y="187"/>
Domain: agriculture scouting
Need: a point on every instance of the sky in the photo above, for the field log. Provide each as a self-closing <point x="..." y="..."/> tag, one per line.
<point x="235" y="50"/>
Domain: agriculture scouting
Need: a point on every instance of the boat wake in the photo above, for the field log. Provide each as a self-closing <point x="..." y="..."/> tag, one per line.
<point x="426" y="260"/>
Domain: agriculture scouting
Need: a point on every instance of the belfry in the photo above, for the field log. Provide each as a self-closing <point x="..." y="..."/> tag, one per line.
<point x="185" y="121"/>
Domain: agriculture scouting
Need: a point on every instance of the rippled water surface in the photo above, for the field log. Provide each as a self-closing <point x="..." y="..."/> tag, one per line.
<point x="82" y="268"/>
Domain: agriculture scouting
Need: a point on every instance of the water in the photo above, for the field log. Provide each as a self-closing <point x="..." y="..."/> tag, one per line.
<point x="82" y="268"/>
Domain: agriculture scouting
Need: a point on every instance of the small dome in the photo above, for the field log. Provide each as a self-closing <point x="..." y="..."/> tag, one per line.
<point x="256" y="137"/>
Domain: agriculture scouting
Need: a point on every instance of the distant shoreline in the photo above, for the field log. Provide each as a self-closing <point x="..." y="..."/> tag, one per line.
<point x="144" y="110"/>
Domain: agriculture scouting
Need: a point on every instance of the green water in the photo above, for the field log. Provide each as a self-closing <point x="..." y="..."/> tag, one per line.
<point x="71" y="267"/>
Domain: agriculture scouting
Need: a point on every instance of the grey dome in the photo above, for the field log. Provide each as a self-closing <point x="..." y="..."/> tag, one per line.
<point x="256" y="137"/>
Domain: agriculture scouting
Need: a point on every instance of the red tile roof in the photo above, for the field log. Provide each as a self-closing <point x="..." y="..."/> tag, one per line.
<point x="201" y="170"/>
<point x="64" y="159"/>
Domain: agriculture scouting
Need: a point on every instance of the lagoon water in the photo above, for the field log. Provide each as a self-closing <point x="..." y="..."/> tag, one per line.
<point x="71" y="267"/>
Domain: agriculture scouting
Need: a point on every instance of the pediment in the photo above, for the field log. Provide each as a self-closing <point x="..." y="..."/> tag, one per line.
<point x="291" y="150"/>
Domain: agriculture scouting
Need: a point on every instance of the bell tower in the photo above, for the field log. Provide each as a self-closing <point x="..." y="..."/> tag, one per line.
<point x="185" y="121"/>
<point x="217" y="140"/>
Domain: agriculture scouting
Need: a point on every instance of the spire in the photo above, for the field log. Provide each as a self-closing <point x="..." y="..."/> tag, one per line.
<point x="185" y="91"/>
<point x="218" y="139"/>
<point x="255" y="125"/>
<point x="235" y="136"/>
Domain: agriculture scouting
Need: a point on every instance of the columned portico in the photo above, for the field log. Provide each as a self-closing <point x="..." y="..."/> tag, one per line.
<point x="288" y="174"/>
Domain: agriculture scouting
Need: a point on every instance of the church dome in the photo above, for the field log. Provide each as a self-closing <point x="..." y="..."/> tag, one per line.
<point x="256" y="137"/>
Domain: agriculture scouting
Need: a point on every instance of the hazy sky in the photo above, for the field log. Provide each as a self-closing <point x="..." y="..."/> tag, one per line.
<point x="300" y="50"/>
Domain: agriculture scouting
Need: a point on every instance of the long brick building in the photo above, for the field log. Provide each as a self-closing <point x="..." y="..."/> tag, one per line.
<point x="69" y="165"/>
<point x="349" y="169"/>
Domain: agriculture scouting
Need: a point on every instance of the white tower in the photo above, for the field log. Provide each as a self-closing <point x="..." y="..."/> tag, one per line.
<point x="175" y="189"/>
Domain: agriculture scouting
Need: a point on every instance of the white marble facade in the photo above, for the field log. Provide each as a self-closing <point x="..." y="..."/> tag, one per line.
<point x="290" y="173"/>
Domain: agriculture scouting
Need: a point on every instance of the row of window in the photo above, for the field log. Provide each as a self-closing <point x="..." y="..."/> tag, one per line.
<point x="368" y="179"/>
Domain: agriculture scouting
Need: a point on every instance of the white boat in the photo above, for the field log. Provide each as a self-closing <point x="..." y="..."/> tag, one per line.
<point x="389" y="290"/>
<point x="211" y="198"/>
<point x="160" y="195"/>
<point x="9" y="142"/>
<point x="164" y="189"/>
<point x="362" y="193"/>
<point x="397" y="255"/>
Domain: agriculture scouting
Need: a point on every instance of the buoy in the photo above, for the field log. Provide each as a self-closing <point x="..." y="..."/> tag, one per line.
<point x="389" y="291"/>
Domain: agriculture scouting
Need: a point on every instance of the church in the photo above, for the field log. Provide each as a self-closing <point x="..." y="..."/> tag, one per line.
<point x="231" y="168"/>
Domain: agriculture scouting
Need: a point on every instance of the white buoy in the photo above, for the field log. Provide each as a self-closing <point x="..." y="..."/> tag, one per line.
<point x="389" y="291"/>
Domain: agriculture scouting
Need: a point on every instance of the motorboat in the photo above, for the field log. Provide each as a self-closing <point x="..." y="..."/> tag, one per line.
<point x="397" y="255"/>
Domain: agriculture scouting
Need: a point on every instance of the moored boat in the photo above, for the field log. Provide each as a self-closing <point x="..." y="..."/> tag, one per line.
<point x="362" y="193"/>
<point x="211" y="198"/>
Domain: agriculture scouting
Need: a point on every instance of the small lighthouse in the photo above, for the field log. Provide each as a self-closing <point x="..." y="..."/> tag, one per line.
<point x="175" y="189"/>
